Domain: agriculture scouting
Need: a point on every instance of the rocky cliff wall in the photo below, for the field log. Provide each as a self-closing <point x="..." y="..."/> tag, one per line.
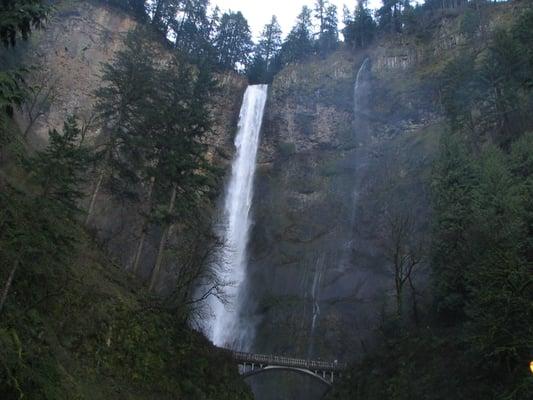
<point x="337" y="165"/>
<point x="68" y="55"/>
<point x="334" y="161"/>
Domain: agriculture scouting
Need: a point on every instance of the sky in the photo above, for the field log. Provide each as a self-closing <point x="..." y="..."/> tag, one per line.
<point x="259" y="12"/>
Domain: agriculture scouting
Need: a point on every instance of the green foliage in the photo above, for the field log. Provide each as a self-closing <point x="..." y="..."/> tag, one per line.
<point x="299" y="42"/>
<point x="360" y="29"/>
<point x="470" y="23"/>
<point x="93" y="338"/>
<point x="20" y="17"/>
<point x="483" y="276"/>
<point x="73" y="326"/>
<point x="328" y="38"/>
<point x="265" y="63"/>
<point x="479" y="338"/>
<point x="452" y="188"/>
<point x="155" y="117"/>
<point x="233" y="41"/>
<point x="287" y="148"/>
<point x="17" y="18"/>
<point x="487" y="90"/>
<point x="12" y="94"/>
<point x="124" y="107"/>
<point x="58" y="170"/>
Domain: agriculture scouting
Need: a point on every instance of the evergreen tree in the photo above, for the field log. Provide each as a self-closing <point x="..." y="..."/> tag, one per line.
<point x="389" y="16"/>
<point x="359" y="31"/>
<point x="266" y="61"/>
<point x="320" y="14"/>
<point x="452" y="186"/>
<point x="17" y="19"/>
<point x="20" y="17"/>
<point x="163" y="14"/>
<point x="155" y="117"/>
<point x="38" y="231"/>
<point x="299" y="42"/>
<point x="233" y="42"/>
<point x="499" y="301"/>
<point x="184" y="176"/>
<point x="328" y="34"/>
<point x="214" y="23"/>
<point x="191" y="28"/>
<point x="124" y="107"/>
<point x="58" y="171"/>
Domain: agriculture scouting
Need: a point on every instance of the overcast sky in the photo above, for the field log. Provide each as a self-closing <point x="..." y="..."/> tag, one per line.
<point x="259" y="12"/>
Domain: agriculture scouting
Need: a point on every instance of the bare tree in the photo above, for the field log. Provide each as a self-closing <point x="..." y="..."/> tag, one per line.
<point x="404" y="252"/>
<point x="42" y="93"/>
<point x="200" y="270"/>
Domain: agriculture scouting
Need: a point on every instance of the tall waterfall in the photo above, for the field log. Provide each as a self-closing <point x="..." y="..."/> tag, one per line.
<point x="358" y="85"/>
<point x="227" y="329"/>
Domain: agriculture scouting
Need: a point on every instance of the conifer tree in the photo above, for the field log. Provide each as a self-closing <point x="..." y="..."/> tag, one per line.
<point x="266" y="52"/>
<point x="123" y="108"/>
<point x="320" y="14"/>
<point x="20" y="17"/>
<point x="58" y="171"/>
<point x="360" y="29"/>
<point x="328" y="33"/>
<point x="329" y="36"/>
<point x="17" y="20"/>
<point x="184" y="176"/>
<point x="38" y="230"/>
<point x="299" y="42"/>
<point x="233" y="41"/>
<point x="163" y="14"/>
<point x="191" y="28"/>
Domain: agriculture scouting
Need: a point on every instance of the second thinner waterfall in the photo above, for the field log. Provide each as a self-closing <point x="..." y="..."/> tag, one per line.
<point x="360" y="90"/>
<point x="226" y="328"/>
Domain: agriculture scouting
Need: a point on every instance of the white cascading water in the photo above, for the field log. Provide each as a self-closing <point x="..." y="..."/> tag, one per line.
<point x="226" y="330"/>
<point x="357" y="85"/>
<point x="357" y="92"/>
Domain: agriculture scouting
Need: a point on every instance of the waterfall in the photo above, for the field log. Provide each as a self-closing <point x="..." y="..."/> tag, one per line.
<point x="320" y="267"/>
<point x="227" y="329"/>
<point x="358" y="85"/>
<point x="345" y="246"/>
<point x="357" y="92"/>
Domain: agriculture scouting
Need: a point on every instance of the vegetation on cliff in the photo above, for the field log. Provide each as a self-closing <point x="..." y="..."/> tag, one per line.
<point x="477" y="337"/>
<point x="73" y="325"/>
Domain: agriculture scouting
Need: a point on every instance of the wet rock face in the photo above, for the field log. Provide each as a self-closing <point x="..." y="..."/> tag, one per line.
<point x="77" y="40"/>
<point x="331" y="163"/>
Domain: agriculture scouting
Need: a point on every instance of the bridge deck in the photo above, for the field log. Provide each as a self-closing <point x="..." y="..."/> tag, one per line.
<point x="288" y="362"/>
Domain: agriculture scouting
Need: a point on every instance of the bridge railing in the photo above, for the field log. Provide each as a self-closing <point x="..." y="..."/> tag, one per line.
<point x="288" y="362"/>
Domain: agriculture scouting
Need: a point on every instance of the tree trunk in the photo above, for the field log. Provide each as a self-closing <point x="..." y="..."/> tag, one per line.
<point x="8" y="284"/>
<point x="140" y="246"/>
<point x="96" y="191"/>
<point x="415" y="303"/>
<point x="399" y="290"/>
<point x="162" y="243"/>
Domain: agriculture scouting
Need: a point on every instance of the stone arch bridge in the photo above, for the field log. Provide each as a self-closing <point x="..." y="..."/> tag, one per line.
<point x="253" y="364"/>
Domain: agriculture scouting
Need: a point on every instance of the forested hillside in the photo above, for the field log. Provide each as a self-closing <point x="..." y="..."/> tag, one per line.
<point x="390" y="218"/>
<point x="476" y="338"/>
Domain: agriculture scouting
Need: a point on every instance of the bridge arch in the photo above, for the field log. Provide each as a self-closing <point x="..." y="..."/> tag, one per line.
<point x="274" y="368"/>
